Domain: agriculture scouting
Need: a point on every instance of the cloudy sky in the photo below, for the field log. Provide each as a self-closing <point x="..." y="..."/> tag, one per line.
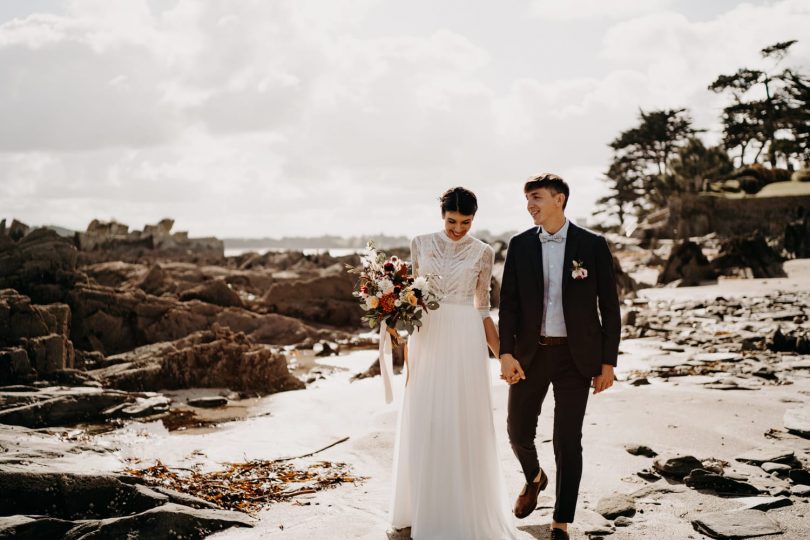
<point x="306" y="117"/>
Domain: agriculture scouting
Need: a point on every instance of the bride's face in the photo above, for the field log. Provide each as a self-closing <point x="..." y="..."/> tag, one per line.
<point x="456" y="225"/>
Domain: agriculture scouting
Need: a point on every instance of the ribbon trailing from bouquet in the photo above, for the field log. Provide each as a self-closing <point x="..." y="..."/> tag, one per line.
<point x="386" y="362"/>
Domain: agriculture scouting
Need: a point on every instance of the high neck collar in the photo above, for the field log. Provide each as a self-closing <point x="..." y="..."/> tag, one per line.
<point x="446" y="238"/>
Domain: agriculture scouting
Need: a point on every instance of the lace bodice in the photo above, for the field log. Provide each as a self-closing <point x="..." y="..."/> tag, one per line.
<point x="464" y="268"/>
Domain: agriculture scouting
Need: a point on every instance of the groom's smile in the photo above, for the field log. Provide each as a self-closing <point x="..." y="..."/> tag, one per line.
<point x="546" y="208"/>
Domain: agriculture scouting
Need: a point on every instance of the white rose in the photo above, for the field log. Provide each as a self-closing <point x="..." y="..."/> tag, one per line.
<point x="420" y="283"/>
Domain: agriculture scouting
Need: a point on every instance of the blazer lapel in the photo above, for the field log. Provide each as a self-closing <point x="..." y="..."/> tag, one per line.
<point x="570" y="253"/>
<point x="537" y="262"/>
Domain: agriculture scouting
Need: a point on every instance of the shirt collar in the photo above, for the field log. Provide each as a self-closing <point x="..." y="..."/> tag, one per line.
<point x="563" y="232"/>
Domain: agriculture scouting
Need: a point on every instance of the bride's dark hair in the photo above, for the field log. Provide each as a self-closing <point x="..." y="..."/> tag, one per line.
<point x="459" y="199"/>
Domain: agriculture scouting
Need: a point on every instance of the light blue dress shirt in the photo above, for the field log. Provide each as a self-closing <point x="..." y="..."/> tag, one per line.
<point x="553" y="259"/>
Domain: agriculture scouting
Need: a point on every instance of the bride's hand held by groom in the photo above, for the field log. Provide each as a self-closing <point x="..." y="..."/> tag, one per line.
<point x="511" y="372"/>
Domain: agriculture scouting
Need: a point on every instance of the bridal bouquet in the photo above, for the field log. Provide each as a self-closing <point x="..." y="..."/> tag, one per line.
<point x="393" y="299"/>
<point x="389" y="293"/>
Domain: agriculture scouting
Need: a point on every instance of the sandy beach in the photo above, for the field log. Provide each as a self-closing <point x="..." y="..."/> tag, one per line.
<point x="675" y="416"/>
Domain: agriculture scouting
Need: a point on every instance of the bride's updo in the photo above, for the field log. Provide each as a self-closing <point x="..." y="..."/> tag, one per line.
<point x="459" y="199"/>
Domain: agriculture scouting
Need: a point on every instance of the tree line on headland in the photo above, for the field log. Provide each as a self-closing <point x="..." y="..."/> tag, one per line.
<point x="766" y="125"/>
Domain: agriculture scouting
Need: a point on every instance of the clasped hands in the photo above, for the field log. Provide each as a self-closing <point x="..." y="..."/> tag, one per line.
<point x="512" y="373"/>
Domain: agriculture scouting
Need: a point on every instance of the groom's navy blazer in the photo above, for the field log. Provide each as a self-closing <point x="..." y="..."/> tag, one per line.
<point x="590" y="305"/>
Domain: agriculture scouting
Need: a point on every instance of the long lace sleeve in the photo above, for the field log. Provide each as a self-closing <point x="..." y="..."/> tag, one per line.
<point x="414" y="262"/>
<point x="482" y="285"/>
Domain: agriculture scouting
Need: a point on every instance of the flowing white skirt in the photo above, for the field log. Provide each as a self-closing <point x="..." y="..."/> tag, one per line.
<point x="448" y="483"/>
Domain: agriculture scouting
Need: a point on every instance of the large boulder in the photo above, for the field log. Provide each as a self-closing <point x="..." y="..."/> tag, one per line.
<point x="82" y="506"/>
<point x="112" y="321"/>
<point x="61" y="407"/>
<point x="749" y="257"/>
<point x="166" y="522"/>
<point x="41" y="265"/>
<point x="687" y="263"/>
<point x="326" y="299"/>
<point x="211" y="358"/>
<point x="33" y="338"/>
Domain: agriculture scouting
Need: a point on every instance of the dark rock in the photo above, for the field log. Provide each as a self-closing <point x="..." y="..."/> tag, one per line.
<point x="15" y="367"/>
<point x="800" y="476"/>
<point x="640" y="381"/>
<point x="326" y="299"/>
<point x="677" y="466"/>
<point x="764" y="503"/>
<point x="147" y="407"/>
<point x="208" y="402"/>
<point x="114" y="274"/>
<point x="688" y="264"/>
<point x="629" y="318"/>
<point x="736" y="524"/>
<point x="616" y="505"/>
<point x="49" y="354"/>
<point x="640" y="450"/>
<point x="216" y="358"/>
<point x="33" y="528"/>
<point x="156" y="282"/>
<point x="73" y="496"/>
<point x="649" y="475"/>
<point x="326" y="349"/>
<point x="40" y="265"/>
<point x="748" y="256"/>
<point x="215" y="292"/>
<point x="79" y="405"/>
<point x="797" y="341"/>
<point x="705" y="480"/>
<point x="164" y="522"/>
<point x="623" y="521"/>
<point x="112" y="321"/>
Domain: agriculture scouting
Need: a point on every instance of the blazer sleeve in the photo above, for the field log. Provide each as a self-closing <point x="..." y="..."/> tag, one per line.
<point x="509" y="304"/>
<point x="608" y="298"/>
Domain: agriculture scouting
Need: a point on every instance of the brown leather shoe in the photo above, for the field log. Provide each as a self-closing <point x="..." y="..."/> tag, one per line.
<point x="527" y="500"/>
<point x="558" y="534"/>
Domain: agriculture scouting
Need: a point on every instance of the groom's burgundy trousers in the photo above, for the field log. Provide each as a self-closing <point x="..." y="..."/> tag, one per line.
<point x="552" y="365"/>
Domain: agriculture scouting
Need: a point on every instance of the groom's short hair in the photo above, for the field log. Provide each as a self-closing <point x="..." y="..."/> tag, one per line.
<point x="551" y="182"/>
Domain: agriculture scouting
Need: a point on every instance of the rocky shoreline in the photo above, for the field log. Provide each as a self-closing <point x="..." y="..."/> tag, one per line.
<point x="115" y="332"/>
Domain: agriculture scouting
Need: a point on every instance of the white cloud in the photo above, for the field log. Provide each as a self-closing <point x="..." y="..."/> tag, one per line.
<point x="279" y="118"/>
<point x="568" y="10"/>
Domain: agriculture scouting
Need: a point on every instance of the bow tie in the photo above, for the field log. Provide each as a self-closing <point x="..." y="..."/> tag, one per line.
<point x="545" y="237"/>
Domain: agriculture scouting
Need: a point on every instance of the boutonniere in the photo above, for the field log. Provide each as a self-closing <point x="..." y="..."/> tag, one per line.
<point x="578" y="271"/>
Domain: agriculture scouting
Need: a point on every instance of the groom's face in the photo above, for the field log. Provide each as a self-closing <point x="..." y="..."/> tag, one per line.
<point x="544" y="205"/>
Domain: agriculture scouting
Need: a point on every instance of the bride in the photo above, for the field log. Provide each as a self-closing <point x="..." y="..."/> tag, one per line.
<point x="447" y="479"/>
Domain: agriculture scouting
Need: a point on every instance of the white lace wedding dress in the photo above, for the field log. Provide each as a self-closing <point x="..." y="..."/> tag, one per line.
<point x="448" y="483"/>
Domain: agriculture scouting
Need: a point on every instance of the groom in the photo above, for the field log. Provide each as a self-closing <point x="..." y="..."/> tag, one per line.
<point x="555" y="276"/>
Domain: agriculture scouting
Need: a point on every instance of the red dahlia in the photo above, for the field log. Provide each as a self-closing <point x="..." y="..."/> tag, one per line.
<point x="387" y="302"/>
